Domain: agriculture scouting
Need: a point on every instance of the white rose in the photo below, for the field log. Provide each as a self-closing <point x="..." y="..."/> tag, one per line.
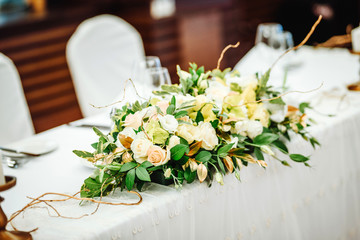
<point x="169" y="123"/>
<point x="140" y="147"/>
<point x="187" y="132"/>
<point x="254" y="128"/>
<point x="128" y="132"/>
<point x="206" y="133"/>
<point x="240" y="128"/>
<point x="173" y="141"/>
<point x="278" y="112"/>
<point x="217" y="92"/>
<point x="148" y="112"/>
<point x="243" y="82"/>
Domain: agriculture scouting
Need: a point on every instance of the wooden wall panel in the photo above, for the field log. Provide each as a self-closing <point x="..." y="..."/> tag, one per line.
<point x="40" y="59"/>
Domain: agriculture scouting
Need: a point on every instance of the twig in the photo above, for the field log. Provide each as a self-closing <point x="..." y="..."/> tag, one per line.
<point x="123" y="98"/>
<point x="223" y="52"/>
<point x="39" y="200"/>
<point x="302" y="43"/>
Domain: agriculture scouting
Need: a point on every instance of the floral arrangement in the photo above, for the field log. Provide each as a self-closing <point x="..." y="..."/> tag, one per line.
<point x="212" y="123"/>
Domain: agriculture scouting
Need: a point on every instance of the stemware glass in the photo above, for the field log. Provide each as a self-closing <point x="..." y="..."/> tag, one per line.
<point x="158" y="76"/>
<point x="281" y="41"/>
<point x="265" y="31"/>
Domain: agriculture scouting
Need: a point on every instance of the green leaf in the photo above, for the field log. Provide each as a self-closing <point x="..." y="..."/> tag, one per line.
<point x="142" y="174"/>
<point x="100" y="134"/>
<point x="285" y="163"/>
<point x="178" y="151"/>
<point x="94" y="145"/>
<point x="258" y="154"/>
<point x="222" y="152"/>
<point x="189" y="176"/>
<point x="221" y="165"/>
<point x="173" y="101"/>
<point x="298" y="158"/>
<point x="92" y="184"/>
<point x="128" y="166"/>
<point x="83" y="154"/>
<point x="314" y="142"/>
<point x="181" y="114"/>
<point x="152" y="169"/>
<point x="160" y="93"/>
<point x="170" y="109"/>
<point x="199" y="117"/>
<point x="113" y="168"/>
<point x="281" y="146"/>
<point x="183" y="160"/>
<point x="277" y="101"/>
<point x="146" y="164"/>
<point x="130" y="179"/>
<point x="203" y="156"/>
<point x="170" y="88"/>
<point x="265" y="138"/>
<point x="303" y="106"/>
<point x="214" y="123"/>
<point x="263" y="82"/>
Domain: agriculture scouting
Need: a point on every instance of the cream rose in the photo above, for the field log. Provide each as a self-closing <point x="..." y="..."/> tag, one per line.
<point x="163" y="105"/>
<point x="133" y="120"/>
<point x="206" y="133"/>
<point x="157" y="156"/>
<point x="140" y="147"/>
<point x="187" y="132"/>
<point x="169" y="123"/>
<point x="173" y="141"/>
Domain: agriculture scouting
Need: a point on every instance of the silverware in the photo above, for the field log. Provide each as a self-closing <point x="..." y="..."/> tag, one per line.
<point x="11" y="162"/>
<point x="19" y="152"/>
<point x="84" y="125"/>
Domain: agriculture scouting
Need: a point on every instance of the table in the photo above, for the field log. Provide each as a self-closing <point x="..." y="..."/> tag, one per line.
<point x="322" y="202"/>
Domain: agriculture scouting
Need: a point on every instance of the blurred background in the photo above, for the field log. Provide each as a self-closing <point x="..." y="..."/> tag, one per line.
<point x="34" y="34"/>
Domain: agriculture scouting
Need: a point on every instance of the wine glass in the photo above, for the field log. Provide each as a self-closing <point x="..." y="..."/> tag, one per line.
<point x="158" y="76"/>
<point x="281" y="41"/>
<point x="265" y="31"/>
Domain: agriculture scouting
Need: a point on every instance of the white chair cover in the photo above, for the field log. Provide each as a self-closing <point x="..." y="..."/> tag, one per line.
<point x="102" y="54"/>
<point x="15" y="120"/>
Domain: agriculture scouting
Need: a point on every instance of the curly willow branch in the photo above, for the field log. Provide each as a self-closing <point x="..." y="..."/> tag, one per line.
<point x="123" y="98"/>
<point x="68" y="197"/>
<point x="223" y="52"/>
<point x="281" y="95"/>
<point x="302" y="43"/>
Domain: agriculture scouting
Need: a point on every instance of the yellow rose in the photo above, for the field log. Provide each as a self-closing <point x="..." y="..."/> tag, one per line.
<point x="261" y="114"/>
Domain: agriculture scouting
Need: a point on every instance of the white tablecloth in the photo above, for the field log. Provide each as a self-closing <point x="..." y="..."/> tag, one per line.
<point x="321" y="202"/>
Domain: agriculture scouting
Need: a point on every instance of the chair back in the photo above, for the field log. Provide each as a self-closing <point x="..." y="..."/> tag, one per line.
<point x="15" y="119"/>
<point x="102" y="54"/>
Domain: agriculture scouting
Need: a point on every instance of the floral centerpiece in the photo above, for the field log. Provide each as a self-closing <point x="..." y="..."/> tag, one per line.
<point x="212" y="123"/>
